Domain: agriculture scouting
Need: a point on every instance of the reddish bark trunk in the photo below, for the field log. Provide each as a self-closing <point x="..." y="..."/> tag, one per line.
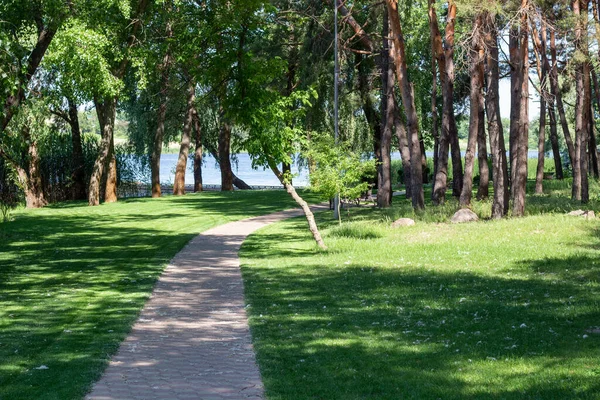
<point x="483" y="191"/>
<point x="476" y="58"/>
<point x="558" y="96"/>
<point x="495" y="130"/>
<point x="408" y="102"/>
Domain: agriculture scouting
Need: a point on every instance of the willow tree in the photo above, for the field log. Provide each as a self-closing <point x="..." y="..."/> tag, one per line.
<point x="123" y="30"/>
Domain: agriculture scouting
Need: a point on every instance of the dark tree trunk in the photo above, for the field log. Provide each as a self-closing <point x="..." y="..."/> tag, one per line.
<point x="197" y="153"/>
<point x="592" y="147"/>
<point x="580" y="190"/>
<point x="32" y="177"/>
<point x="520" y="184"/>
<point x="483" y="191"/>
<point x="78" y="174"/>
<point x="558" y="96"/>
<point x="449" y="137"/>
<point x="539" y="175"/>
<point x="408" y="102"/>
<point x="165" y="69"/>
<point x="186" y="136"/>
<point x="106" y="111"/>
<point x="384" y="181"/>
<point x="372" y="116"/>
<point x="475" y="59"/>
<point x="515" y="104"/>
<point x="237" y="182"/>
<point x="224" y="155"/>
<point x="551" y="111"/>
<point x="495" y="130"/>
<point x="554" y="142"/>
<point x="402" y="136"/>
<point x="457" y="168"/>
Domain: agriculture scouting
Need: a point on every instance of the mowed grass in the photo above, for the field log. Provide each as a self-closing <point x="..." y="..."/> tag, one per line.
<point x="73" y="279"/>
<point x="504" y="309"/>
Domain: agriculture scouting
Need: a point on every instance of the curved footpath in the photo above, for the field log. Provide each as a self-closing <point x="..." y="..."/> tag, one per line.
<point x="191" y="340"/>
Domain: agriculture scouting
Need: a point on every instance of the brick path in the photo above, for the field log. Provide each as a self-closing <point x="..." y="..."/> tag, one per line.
<point x="192" y="339"/>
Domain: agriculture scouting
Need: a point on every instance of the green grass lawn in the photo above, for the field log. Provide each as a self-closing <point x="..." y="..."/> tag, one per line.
<point x="490" y="310"/>
<point x="74" y="278"/>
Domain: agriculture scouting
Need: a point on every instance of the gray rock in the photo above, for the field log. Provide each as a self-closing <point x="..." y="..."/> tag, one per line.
<point x="403" y="222"/>
<point x="580" y="213"/>
<point x="464" y="215"/>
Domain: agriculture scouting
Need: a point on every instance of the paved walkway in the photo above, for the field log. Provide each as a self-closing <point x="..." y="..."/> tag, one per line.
<point x="192" y="339"/>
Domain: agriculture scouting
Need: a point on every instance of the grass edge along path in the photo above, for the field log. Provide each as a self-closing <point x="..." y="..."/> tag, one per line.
<point x="192" y="338"/>
<point x="505" y="309"/>
<point x="73" y="280"/>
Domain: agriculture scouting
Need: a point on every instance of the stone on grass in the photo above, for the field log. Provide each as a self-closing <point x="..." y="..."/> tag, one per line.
<point x="580" y="213"/>
<point x="403" y="222"/>
<point x="464" y="215"/>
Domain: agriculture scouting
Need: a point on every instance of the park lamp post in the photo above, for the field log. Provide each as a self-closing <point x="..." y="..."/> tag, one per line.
<point x="336" y="127"/>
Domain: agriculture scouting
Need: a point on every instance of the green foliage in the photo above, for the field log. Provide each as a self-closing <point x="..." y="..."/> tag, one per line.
<point x="10" y="195"/>
<point x="338" y="170"/>
<point x="77" y="61"/>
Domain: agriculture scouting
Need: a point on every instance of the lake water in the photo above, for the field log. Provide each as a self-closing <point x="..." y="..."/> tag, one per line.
<point x="242" y="167"/>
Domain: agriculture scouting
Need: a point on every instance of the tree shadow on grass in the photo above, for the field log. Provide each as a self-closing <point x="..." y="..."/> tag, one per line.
<point x="370" y="332"/>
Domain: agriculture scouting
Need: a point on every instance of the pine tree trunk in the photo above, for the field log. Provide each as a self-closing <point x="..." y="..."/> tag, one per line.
<point x="475" y="59"/>
<point x="449" y="136"/>
<point x="520" y="185"/>
<point x="384" y="188"/>
<point x="592" y="146"/>
<point x="515" y="104"/>
<point x="106" y="111"/>
<point x="483" y="191"/>
<point x="184" y="149"/>
<point x="408" y="102"/>
<point x="580" y="189"/>
<point x="539" y="176"/>
<point x="554" y="142"/>
<point x="558" y="96"/>
<point x="495" y="130"/>
<point x="78" y="174"/>
<point x="402" y="136"/>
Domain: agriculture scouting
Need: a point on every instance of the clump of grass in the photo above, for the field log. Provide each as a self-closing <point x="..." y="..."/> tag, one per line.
<point x="356" y="230"/>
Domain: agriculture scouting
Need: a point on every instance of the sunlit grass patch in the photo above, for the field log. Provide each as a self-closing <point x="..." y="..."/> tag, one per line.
<point x="74" y="278"/>
<point x="494" y="309"/>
